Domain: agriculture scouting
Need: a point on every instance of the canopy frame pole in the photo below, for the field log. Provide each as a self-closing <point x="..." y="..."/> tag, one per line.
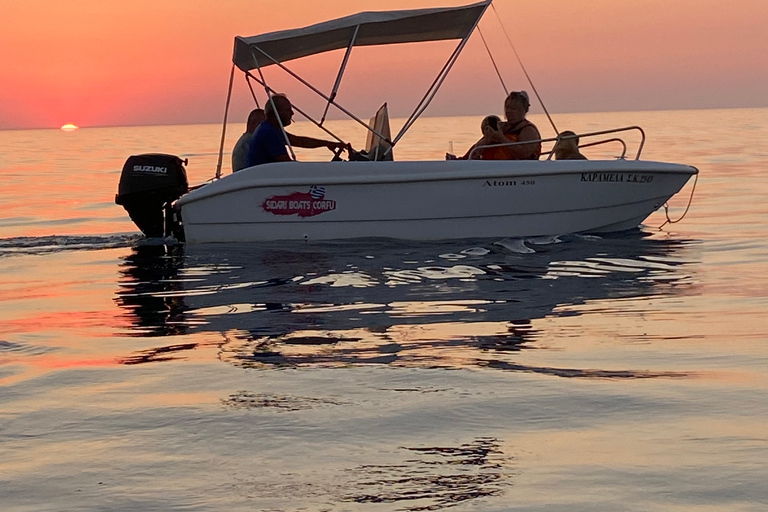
<point x="343" y="68"/>
<point x="493" y="61"/>
<point x="224" y="126"/>
<point x="432" y="91"/>
<point x="427" y="98"/>
<point x="318" y="92"/>
<point x="253" y="93"/>
<point x="297" y="109"/>
<point x="525" y="71"/>
<point x="274" y="108"/>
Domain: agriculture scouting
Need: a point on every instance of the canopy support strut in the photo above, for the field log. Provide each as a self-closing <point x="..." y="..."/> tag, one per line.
<point x="255" y="99"/>
<point x="341" y="73"/>
<point x="316" y="91"/>
<point x="525" y="72"/>
<point x="432" y="91"/>
<point x="427" y="98"/>
<point x="297" y="109"/>
<point x="493" y="61"/>
<point x="274" y="108"/>
<point x="224" y="127"/>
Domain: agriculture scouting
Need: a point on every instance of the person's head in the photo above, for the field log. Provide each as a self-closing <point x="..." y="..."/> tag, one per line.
<point x="492" y="121"/>
<point x="279" y="106"/>
<point x="567" y="145"/>
<point x="254" y="119"/>
<point x="516" y="106"/>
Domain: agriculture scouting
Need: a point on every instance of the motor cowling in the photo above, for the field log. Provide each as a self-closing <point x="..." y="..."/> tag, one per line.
<point x="149" y="184"/>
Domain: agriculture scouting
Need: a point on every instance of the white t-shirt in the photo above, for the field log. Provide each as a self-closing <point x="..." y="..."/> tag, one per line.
<point x="240" y="152"/>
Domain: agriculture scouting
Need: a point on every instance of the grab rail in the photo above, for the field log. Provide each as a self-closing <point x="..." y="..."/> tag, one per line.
<point x="580" y="136"/>
<point x="623" y="155"/>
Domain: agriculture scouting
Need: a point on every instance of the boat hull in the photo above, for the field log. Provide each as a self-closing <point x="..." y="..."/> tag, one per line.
<point x="428" y="200"/>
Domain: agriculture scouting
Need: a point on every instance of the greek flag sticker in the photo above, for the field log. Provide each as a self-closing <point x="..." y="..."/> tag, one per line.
<point x="317" y="192"/>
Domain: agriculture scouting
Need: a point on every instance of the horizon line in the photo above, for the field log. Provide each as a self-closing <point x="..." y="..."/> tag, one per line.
<point x="393" y="118"/>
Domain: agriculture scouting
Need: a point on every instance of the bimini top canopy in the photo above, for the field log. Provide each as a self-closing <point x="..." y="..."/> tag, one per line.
<point x="363" y="29"/>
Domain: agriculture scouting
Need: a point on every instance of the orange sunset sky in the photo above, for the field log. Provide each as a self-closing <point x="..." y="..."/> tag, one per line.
<point x="139" y="62"/>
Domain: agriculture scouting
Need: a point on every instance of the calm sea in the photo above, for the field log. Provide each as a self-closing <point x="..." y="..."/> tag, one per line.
<point x="612" y="373"/>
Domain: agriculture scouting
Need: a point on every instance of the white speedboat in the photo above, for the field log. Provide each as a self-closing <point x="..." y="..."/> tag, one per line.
<point x="382" y="197"/>
<point x="428" y="200"/>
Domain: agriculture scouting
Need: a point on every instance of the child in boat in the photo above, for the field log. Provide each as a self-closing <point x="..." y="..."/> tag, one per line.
<point x="567" y="147"/>
<point x="488" y="123"/>
<point x="516" y="129"/>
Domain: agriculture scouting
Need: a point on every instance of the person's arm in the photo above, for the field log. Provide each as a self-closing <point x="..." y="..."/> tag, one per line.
<point x="469" y="153"/>
<point x="490" y="137"/>
<point x="301" y="141"/>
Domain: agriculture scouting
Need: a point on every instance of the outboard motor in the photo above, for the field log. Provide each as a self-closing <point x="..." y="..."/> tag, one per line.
<point x="149" y="184"/>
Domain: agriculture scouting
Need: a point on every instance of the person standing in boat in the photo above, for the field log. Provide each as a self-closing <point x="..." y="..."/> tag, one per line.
<point x="240" y="151"/>
<point x="267" y="144"/>
<point x="516" y="129"/>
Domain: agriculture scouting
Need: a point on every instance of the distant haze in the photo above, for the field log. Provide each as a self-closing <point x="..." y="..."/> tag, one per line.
<point x="143" y="62"/>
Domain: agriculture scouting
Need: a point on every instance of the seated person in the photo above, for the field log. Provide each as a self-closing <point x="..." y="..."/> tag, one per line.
<point x="567" y="147"/>
<point x="240" y="151"/>
<point x="487" y="124"/>
<point x="516" y="129"/>
<point x="268" y="143"/>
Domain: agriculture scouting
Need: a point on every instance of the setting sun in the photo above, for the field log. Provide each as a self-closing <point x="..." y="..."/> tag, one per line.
<point x="69" y="127"/>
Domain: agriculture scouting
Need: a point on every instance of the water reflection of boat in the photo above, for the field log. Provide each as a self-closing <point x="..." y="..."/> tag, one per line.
<point x="435" y="305"/>
<point x="148" y="276"/>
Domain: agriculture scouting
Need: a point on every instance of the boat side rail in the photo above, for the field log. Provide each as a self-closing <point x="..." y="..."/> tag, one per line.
<point x="622" y="156"/>
<point x="580" y="136"/>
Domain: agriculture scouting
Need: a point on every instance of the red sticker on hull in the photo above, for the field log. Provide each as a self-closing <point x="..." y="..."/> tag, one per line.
<point x="303" y="204"/>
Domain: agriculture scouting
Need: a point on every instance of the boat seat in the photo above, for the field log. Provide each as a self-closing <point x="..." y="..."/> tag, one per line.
<point x="375" y="147"/>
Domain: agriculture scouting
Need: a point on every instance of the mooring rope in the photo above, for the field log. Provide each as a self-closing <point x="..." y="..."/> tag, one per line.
<point x="690" y="200"/>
